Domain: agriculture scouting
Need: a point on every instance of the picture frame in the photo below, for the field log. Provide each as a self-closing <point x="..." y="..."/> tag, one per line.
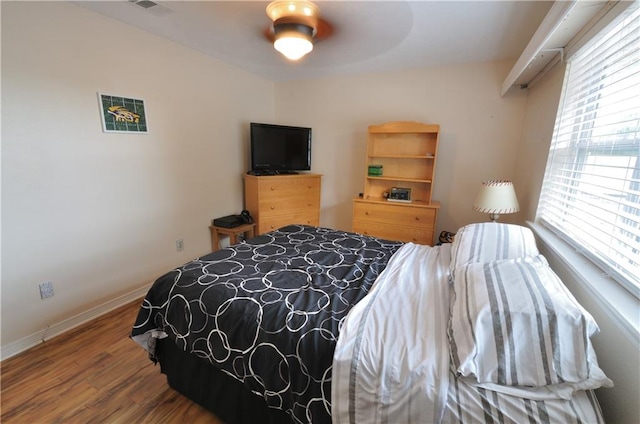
<point x="122" y="114"/>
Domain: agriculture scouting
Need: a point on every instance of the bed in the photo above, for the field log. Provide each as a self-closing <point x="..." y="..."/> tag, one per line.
<point x="314" y="325"/>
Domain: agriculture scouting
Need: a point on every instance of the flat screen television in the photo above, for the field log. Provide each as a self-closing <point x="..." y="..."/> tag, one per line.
<point x="279" y="149"/>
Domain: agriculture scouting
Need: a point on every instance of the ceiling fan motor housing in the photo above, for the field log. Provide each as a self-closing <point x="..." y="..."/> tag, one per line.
<point x="281" y="28"/>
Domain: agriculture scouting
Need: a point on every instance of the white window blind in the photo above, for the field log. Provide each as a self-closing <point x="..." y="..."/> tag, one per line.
<point x="591" y="190"/>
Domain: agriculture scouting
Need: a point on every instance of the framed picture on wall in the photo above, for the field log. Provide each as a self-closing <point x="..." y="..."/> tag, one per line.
<point x="122" y="114"/>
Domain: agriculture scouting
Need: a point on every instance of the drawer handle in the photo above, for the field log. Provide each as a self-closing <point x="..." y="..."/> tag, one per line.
<point x="417" y="218"/>
<point x="273" y="188"/>
<point x="366" y="213"/>
<point x="308" y="204"/>
<point x="273" y="207"/>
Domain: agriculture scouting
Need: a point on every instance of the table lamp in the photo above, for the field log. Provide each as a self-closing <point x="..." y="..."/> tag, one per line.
<point x="496" y="197"/>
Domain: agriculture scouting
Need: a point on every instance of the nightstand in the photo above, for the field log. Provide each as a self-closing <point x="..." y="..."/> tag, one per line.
<point x="233" y="234"/>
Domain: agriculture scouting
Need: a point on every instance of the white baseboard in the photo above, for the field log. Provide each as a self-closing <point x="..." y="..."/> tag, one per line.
<point x="56" y="329"/>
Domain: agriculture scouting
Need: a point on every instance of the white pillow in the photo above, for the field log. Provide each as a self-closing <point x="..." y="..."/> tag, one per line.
<point x="514" y="323"/>
<point x="488" y="241"/>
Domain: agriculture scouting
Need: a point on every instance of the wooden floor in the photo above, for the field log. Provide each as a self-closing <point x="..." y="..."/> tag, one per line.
<point x="96" y="374"/>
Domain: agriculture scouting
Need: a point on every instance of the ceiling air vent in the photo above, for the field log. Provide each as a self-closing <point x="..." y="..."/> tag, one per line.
<point x="145" y="3"/>
<point x="152" y="7"/>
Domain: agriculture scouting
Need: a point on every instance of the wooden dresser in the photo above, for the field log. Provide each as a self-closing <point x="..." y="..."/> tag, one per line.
<point x="399" y="154"/>
<point x="278" y="200"/>
<point x="414" y="223"/>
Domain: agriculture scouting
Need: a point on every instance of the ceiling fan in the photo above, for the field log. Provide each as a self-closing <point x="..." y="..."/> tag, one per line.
<point x="296" y="26"/>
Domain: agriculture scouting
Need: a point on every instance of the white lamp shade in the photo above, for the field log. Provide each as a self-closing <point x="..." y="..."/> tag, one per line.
<point x="497" y="197"/>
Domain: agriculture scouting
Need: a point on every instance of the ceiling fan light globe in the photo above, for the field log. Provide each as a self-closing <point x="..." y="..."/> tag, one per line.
<point x="293" y="47"/>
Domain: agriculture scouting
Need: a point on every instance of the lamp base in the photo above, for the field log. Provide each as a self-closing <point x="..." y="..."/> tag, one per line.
<point x="494" y="217"/>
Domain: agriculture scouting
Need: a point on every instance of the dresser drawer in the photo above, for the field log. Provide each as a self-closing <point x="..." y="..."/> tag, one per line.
<point x="395" y="214"/>
<point x="275" y="222"/>
<point x="394" y="232"/>
<point x="274" y="206"/>
<point x="290" y="186"/>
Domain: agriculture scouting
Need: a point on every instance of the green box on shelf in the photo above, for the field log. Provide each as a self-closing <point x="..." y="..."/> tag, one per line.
<point x="375" y="170"/>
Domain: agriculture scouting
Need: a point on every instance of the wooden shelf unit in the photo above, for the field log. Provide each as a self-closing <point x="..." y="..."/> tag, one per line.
<point x="407" y="152"/>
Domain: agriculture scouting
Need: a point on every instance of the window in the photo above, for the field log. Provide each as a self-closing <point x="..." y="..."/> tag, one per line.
<point x="591" y="190"/>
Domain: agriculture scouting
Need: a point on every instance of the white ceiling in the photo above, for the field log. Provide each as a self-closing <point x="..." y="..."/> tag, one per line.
<point x="369" y="36"/>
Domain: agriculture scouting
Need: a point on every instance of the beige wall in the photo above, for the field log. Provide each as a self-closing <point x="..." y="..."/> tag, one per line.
<point x="98" y="214"/>
<point x="478" y="140"/>
<point x="542" y="105"/>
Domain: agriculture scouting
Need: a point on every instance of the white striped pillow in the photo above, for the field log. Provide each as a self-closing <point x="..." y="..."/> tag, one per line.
<point x="488" y="241"/>
<point x="514" y="323"/>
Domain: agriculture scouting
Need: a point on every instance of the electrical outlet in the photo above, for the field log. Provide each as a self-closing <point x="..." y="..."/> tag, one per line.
<point x="179" y="245"/>
<point x="46" y="289"/>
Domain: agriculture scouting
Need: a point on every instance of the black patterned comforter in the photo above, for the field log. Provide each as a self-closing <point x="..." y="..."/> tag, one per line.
<point x="268" y="311"/>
